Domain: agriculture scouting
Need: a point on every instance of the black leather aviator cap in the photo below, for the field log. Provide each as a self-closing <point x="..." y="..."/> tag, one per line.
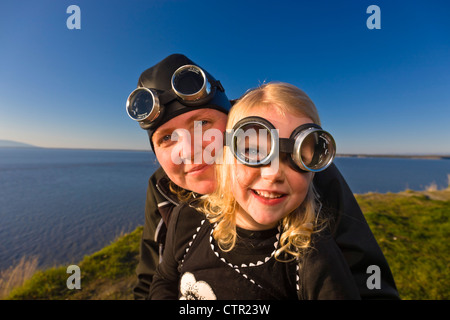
<point x="159" y="78"/>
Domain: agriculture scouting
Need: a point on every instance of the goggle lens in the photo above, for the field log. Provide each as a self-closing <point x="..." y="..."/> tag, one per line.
<point x="141" y="105"/>
<point x="317" y="151"/>
<point x="189" y="83"/>
<point x="252" y="144"/>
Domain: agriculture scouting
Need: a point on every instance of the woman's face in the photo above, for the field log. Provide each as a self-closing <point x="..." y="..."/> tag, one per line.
<point x="268" y="194"/>
<point x="185" y="147"/>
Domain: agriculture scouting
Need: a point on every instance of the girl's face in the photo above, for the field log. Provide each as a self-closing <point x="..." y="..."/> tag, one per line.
<point x="268" y="194"/>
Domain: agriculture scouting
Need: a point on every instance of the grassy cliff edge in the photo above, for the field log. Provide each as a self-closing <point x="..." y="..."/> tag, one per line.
<point x="108" y="274"/>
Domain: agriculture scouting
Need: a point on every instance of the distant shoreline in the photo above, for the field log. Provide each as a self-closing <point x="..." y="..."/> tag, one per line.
<point x="10" y="144"/>
<point x="342" y="155"/>
<point x="392" y="156"/>
<point x="86" y="149"/>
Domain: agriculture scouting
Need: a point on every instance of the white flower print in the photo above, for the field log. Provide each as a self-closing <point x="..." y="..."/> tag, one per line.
<point x="191" y="289"/>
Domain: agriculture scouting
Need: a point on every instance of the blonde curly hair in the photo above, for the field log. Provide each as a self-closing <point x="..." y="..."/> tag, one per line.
<point x="220" y="206"/>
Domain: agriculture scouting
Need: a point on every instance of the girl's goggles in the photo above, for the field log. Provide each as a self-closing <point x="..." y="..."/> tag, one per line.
<point x="254" y="142"/>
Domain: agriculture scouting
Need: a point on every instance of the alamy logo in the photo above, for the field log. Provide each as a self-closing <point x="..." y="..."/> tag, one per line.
<point x="374" y="21"/>
<point x="74" y="281"/>
<point x="191" y="149"/>
<point x="374" y="280"/>
<point x="74" y="20"/>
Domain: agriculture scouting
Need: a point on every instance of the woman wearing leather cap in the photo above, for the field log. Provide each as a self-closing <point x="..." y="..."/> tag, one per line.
<point x="172" y="95"/>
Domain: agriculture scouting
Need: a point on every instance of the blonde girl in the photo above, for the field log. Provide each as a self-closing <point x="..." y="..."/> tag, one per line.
<point x="254" y="236"/>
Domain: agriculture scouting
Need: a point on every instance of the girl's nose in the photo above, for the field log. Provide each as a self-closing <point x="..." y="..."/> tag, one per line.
<point x="273" y="172"/>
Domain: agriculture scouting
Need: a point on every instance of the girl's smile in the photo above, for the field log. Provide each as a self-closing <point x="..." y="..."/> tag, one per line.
<point x="269" y="197"/>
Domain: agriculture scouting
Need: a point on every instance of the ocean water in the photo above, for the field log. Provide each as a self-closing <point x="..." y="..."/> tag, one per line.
<point x="61" y="204"/>
<point x="393" y="174"/>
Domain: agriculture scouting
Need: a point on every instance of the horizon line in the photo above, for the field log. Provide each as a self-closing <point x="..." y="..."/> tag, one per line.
<point x="338" y="155"/>
<point x="21" y="145"/>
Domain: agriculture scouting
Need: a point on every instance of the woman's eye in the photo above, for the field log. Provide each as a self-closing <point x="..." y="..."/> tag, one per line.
<point x="201" y="123"/>
<point x="165" y="140"/>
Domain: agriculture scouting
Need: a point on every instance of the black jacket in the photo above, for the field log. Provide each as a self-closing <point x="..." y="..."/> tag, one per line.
<point x="250" y="270"/>
<point x="350" y="232"/>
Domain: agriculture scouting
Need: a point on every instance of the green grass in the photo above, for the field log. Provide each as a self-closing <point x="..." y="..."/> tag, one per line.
<point x="106" y="274"/>
<point x="412" y="229"/>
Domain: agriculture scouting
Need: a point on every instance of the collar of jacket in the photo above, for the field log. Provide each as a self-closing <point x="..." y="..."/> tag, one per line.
<point x="166" y="207"/>
<point x="162" y="185"/>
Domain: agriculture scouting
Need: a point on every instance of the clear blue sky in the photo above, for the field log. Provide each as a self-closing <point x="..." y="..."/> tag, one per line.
<point x="378" y="91"/>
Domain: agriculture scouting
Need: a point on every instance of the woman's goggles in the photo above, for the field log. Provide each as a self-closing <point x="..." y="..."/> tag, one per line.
<point x="254" y="142"/>
<point x="190" y="86"/>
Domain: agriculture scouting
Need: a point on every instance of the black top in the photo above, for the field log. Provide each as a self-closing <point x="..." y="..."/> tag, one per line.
<point x="194" y="267"/>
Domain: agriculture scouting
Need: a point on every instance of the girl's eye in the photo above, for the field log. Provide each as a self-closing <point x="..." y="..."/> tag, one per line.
<point x="252" y="154"/>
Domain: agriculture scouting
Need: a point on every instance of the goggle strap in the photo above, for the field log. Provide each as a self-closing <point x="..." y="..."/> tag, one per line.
<point x="286" y="145"/>
<point x="217" y="84"/>
<point x="166" y="96"/>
